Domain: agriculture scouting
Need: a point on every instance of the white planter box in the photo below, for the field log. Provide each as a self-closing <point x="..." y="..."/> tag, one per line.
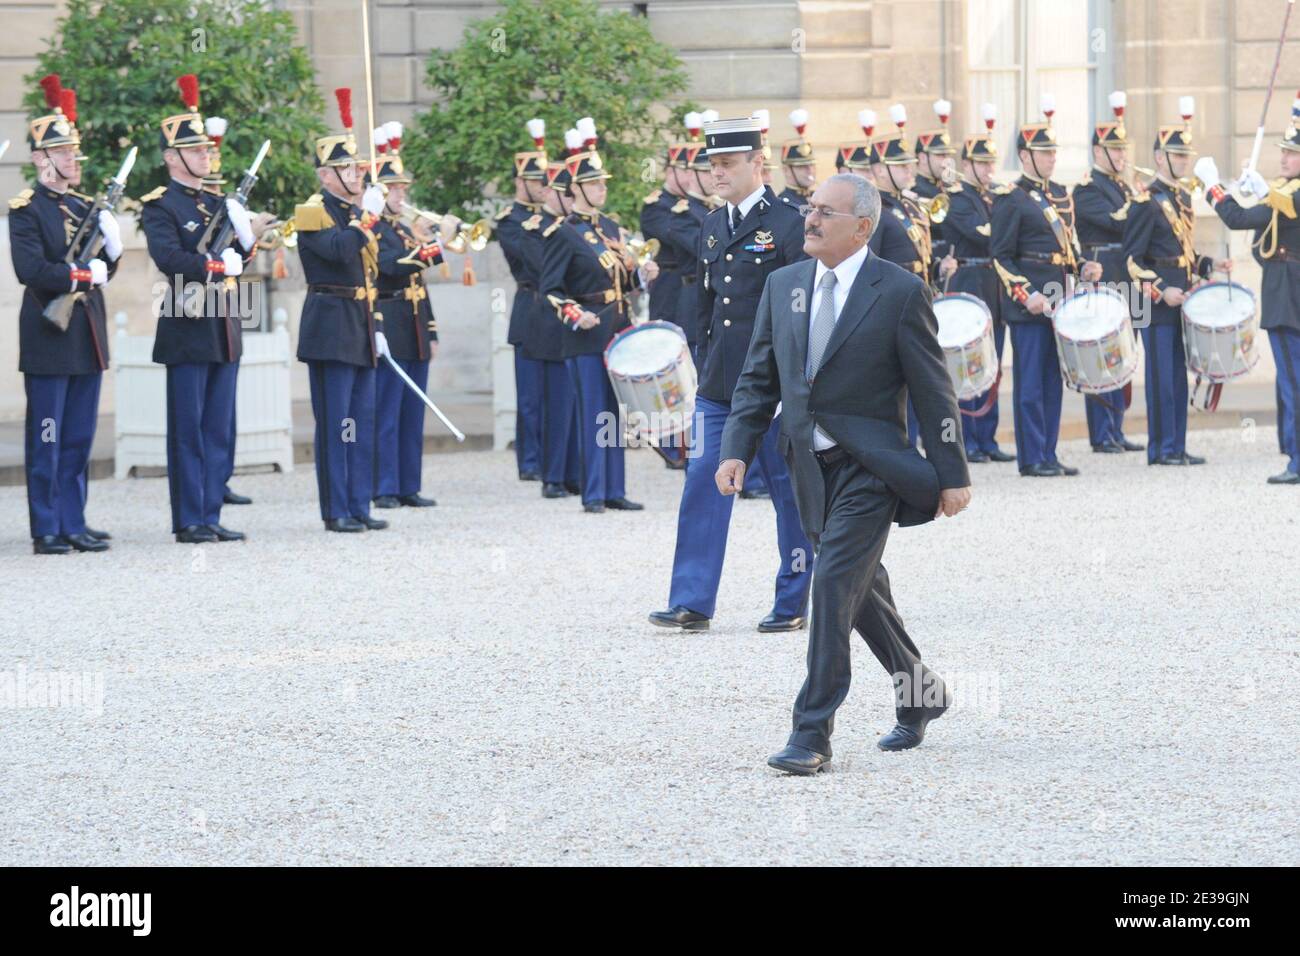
<point x="263" y="409"/>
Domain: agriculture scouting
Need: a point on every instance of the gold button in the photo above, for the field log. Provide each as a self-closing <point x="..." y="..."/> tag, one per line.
<point x="726" y="322"/>
<point x="727" y="279"/>
<point x="726" y="301"/>
<point x="728" y="256"/>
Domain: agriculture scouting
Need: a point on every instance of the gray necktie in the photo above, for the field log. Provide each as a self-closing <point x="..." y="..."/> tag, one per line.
<point x="823" y="323"/>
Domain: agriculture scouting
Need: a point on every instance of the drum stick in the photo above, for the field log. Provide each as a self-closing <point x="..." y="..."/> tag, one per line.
<point x="460" y="435"/>
<point x="1268" y="95"/>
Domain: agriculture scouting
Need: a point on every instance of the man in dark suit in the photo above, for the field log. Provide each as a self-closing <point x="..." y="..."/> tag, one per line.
<point x="854" y="471"/>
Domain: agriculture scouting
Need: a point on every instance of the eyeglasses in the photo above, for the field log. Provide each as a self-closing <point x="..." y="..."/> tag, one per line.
<point x="825" y="212"/>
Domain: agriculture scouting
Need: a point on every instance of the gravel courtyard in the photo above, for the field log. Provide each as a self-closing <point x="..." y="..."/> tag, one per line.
<point x="478" y="684"/>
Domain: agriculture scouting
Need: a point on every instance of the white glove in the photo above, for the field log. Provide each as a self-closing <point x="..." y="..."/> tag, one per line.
<point x="233" y="262"/>
<point x="1207" y="171"/>
<point x="108" y="228"/>
<point x="242" y="223"/>
<point x="373" y="200"/>
<point x="381" y="345"/>
<point x="98" y="272"/>
<point x="1253" y="182"/>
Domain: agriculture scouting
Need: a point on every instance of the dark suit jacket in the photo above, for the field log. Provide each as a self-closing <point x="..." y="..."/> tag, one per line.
<point x="883" y="346"/>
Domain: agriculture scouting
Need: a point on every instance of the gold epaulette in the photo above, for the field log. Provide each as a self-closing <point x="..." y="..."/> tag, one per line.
<point x="82" y="196"/>
<point x="653" y="197"/>
<point x="22" y="199"/>
<point x="615" y="217"/>
<point x="1085" y="181"/>
<point x="153" y="194"/>
<point x="985" y="230"/>
<point x="505" y="212"/>
<point x="1282" y="196"/>
<point x="551" y="228"/>
<point x="533" y="221"/>
<point x="681" y="205"/>
<point x="1120" y="214"/>
<point x="1003" y="189"/>
<point x="312" y="216"/>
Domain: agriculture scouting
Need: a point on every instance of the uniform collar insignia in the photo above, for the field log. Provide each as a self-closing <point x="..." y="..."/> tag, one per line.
<point x="712" y="242"/>
<point x="190" y="226"/>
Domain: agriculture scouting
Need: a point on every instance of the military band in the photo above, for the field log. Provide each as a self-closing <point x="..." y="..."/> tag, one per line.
<point x="368" y="333"/>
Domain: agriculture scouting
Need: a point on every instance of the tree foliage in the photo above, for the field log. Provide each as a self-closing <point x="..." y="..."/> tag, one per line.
<point x="123" y="58"/>
<point x="558" y="60"/>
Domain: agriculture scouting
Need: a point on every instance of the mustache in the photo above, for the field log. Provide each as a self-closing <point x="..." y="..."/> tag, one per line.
<point x="812" y="231"/>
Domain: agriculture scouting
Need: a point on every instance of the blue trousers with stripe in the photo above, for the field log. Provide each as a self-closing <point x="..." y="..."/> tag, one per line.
<point x="1166" y="391"/>
<point x="343" y="401"/>
<point x="980" y="434"/>
<point x="599" y="442"/>
<point x="1286" y="354"/>
<point x="62" y="411"/>
<point x="399" y="428"/>
<point x="1036" y="393"/>
<point x="1105" y="416"/>
<point x="200" y="396"/>
<point x="529" y="386"/>
<point x="705" y="514"/>
<point x="234" y="430"/>
<point x="560" y="457"/>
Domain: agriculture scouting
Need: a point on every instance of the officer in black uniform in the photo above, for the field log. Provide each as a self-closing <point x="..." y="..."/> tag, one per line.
<point x="199" y="336"/>
<point x="405" y="252"/>
<point x="1276" y="247"/>
<point x="798" y="164"/>
<point x="1101" y="204"/>
<point x="742" y="243"/>
<point x="1036" y="257"/>
<point x="1159" y="255"/>
<point x="587" y="275"/>
<point x="62" y="368"/>
<point x="935" y="175"/>
<point x="969" y="231"/>
<point x="341" y="335"/>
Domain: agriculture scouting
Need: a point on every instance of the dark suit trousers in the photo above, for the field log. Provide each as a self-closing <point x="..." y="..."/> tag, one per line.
<point x="851" y="591"/>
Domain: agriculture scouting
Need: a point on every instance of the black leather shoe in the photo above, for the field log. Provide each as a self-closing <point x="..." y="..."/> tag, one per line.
<point x="387" y="501"/>
<point x="231" y="498"/>
<point x="572" y="488"/>
<point x="997" y="454"/>
<point x="99" y="535"/>
<point x="622" y="504"/>
<point x="799" y="760"/>
<point x="553" y="489"/>
<point x="1169" y="460"/>
<point x="1108" y="448"/>
<point x="594" y="507"/>
<point x="1040" y="471"/>
<point x="529" y="476"/>
<point x="679" y="616"/>
<point x="348" y="525"/>
<point x="374" y="524"/>
<point x="417" y="501"/>
<point x="50" y="544"/>
<point x="908" y="733"/>
<point x="1130" y="445"/>
<point x="1193" y="459"/>
<point x="977" y="457"/>
<point x="1066" y="470"/>
<point x="1287" y="477"/>
<point x="751" y="493"/>
<point x="84" y="542"/>
<point x="225" y="534"/>
<point x="772" y="623"/>
<point x="195" y="534"/>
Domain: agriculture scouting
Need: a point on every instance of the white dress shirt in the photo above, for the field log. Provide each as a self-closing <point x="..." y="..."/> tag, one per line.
<point x="746" y="204"/>
<point x="845" y="273"/>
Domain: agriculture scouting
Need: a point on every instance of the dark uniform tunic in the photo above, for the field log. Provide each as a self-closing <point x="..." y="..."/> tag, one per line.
<point x="199" y="339"/>
<point x="1101" y="204"/>
<point x="926" y="189"/>
<point x="61" y="370"/>
<point x="675" y="221"/>
<point x="1158" y="254"/>
<point x="518" y="231"/>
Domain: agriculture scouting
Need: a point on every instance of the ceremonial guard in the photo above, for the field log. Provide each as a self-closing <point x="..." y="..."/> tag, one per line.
<point x="968" y="228"/>
<point x="525" y="266"/>
<point x="214" y="182"/>
<point x="199" y="336"/>
<point x="62" y="363"/>
<point x="935" y="176"/>
<point x="1101" y="204"/>
<point x="405" y="252"/>
<point x="1276" y="248"/>
<point x="341" y="335"/>
<point x="742" y="243"/>
<point x="1159" y="255"/>
<point x="587" y="275"/>
<point x="1036" y="256"/>
<point x="798" y="164"/>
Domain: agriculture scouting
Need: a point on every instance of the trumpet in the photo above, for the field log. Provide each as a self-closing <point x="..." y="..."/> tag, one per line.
<point x="472" y="236"/>
<point x="281" y="234"/>
<point x="642" y="250"/>
<point x="1191" y="183"/>
<point x="936" y="207"/>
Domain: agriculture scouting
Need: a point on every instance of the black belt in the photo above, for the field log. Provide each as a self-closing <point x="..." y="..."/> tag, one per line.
<point x="1179" y="261"/>
<point x="1055" y="258"/>
<point x="977" y="261"/>
<point x="1283" y="254"/>
<point x="343" y="291"/>
<point x="831" y="455"/>
<point x="689" y="279"/>
<point x="390" y="296"/>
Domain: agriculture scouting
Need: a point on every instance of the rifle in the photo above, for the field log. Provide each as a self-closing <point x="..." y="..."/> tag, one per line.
<point x="87" y="242"/>
<point x="221" y="231"/>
